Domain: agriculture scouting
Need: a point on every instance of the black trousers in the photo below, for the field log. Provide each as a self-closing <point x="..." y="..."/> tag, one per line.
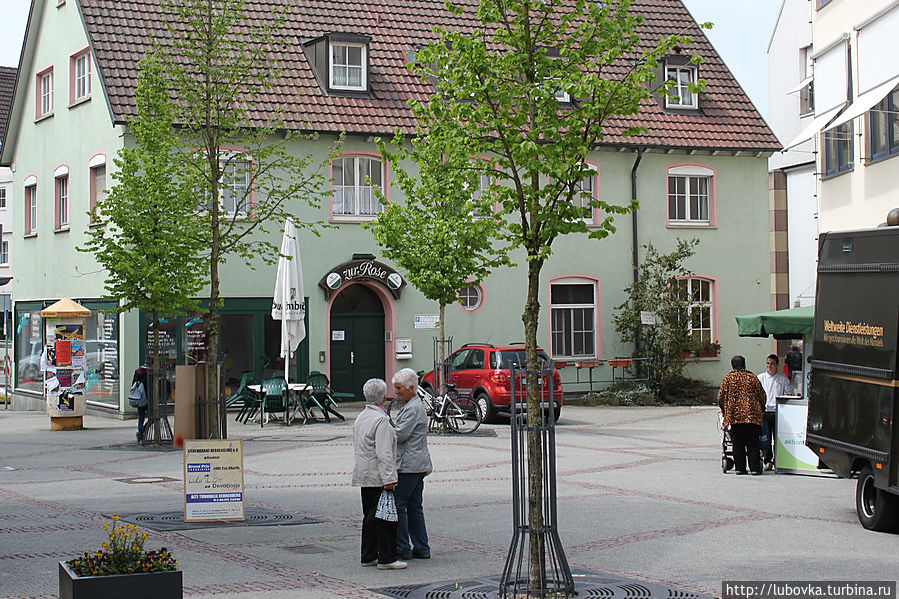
<point x="746" y="443"/>
<point x="771" y="419"/>
<point x="378" y="536"/>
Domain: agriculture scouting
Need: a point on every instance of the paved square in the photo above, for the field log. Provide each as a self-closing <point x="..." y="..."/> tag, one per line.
<point x="641" y="496"/>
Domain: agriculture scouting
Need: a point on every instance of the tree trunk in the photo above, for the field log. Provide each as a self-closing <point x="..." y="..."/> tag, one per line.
<point x="534" y="437"/>
<point x="154" y="382"/>
<point x="441" y="352"/>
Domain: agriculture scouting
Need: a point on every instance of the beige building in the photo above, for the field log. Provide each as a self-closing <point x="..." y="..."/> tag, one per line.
<point x="855" y="130"/>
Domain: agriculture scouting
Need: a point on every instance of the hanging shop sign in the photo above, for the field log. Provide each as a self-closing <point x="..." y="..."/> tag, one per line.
<point x="363" y="267"/>
<point x="213" y="480"/>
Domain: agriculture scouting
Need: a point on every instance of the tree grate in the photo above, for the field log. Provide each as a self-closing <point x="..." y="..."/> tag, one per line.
<point x="169" y="521"/>
<point x="587" y="584"/>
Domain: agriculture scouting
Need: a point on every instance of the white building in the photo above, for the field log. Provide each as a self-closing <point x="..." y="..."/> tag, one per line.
<point x="7" y="84"/>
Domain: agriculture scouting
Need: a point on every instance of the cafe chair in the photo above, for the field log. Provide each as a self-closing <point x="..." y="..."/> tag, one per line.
<point x="320" y="396"/>
<point x="274" y="398"/>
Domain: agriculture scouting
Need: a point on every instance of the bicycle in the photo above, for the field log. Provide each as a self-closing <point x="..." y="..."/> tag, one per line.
<point x="452" y="410"/>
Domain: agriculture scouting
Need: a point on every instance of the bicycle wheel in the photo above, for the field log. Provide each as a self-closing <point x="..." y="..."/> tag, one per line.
<point x="463" y="414"/>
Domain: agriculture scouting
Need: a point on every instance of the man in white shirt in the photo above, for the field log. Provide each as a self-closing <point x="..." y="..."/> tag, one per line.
<point x="775" y="384"/>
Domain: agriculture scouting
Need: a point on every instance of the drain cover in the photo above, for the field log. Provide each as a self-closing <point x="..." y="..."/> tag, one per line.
<point x="254" y="517"/>
<point x="587" y="584"/>
<point x="481" y="432"/>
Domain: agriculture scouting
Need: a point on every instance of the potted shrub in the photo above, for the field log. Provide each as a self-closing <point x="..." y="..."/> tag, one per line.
<point x="121" y="568"/>
<point x="710" y="349"/>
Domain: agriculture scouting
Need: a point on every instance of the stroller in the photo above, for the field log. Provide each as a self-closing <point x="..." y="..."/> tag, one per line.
<point x="727" y="445"/>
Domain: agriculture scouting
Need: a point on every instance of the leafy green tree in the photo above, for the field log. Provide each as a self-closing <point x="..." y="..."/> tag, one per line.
<point x="657" y="290"/>
<point x="222" y="64"/>
<point x="438" y="237"/>
<point x="146" y="235"/>
<point x="526" y="95"/>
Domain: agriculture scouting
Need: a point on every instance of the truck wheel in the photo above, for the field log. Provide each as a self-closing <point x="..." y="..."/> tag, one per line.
<point x="876" y="508"/>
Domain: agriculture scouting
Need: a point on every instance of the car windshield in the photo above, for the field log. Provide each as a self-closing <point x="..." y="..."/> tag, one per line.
<point x="508" y="357"/>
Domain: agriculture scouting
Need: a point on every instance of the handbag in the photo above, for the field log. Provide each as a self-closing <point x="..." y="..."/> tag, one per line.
<point x="386" y="507"/>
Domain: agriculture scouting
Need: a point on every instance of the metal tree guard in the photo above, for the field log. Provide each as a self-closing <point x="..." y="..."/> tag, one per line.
<point x="553" y="576"/>
<point x="157" y="430"/>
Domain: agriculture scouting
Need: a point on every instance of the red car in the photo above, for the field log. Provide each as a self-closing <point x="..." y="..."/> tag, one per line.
<point x="482" y="371"/>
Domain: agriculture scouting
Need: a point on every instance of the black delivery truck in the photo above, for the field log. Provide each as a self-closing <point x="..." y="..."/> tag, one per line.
<point x="854" y="397"/>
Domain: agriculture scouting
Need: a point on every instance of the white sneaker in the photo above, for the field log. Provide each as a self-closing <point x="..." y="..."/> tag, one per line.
<point x="397" y="565"/>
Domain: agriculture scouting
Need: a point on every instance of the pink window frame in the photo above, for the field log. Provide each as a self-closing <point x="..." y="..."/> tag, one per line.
<point x="57" y="225"/>
<point x="385" y="187"/>
<point x="38" y="93"/>
<point x="92" y="201"/>
<point x="714" y="292"/>
<point x="85" y="51"/>
<point x="252" y="208"/>
<point x="30" y="227"/>
<point x="713" y="198"/>
<point x="483" y="298"/>
<point x="597" y="315"/>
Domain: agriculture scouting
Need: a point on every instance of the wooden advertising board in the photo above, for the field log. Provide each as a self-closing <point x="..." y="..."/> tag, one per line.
<point x="213" y="480"/>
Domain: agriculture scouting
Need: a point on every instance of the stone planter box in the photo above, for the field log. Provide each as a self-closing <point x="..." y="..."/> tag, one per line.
<point x="144" y="585"/>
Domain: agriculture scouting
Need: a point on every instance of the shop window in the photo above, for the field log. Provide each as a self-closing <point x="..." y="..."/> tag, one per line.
<point x="101" y="353"/>
<point x="355" y="179"/>
<point x="573" y="322"/>
<point x="29" y="346"/>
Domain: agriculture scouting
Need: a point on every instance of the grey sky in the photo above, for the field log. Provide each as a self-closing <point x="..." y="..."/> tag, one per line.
<point x="740" y="35"/>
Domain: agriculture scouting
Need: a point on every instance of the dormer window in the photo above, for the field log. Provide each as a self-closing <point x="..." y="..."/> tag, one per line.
<point x="679" y="94"/>
<point x="340" y="63"/>
<point x="348" y="66"/>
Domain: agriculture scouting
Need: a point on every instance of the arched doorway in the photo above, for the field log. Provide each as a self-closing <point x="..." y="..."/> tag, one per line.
<point x="357" y="339"/>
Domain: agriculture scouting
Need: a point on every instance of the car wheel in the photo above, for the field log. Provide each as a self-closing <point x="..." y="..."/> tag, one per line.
<point x="557" y="413"/>
<point x="876" y="508"/>
<point x="488" y="410"/>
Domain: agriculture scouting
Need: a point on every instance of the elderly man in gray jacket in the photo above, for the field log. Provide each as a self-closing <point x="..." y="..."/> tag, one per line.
<point x="413" y="464"/>
<point x="374" y="469"/>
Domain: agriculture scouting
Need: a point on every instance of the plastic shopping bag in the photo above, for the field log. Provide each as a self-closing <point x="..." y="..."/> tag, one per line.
<point x="386" y="507"/>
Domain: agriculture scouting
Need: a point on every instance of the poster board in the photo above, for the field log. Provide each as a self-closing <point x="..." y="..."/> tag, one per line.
<point x="213" y="480"/>
<point x="791" y="454"/>
<point x="63" y="365"/>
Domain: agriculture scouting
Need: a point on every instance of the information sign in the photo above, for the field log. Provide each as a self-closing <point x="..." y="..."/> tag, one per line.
<point x="426" y="321"/>
<point x="213" y="480"/>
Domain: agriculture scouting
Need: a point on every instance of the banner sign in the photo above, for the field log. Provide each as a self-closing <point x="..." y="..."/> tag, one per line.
<point x="213" y="480"/>
<point x="363" y="267"/>
<point x="791" y="453"/>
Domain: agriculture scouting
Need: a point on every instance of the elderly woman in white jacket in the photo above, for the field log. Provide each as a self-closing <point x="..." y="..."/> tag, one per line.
<point x="374" y="442"/>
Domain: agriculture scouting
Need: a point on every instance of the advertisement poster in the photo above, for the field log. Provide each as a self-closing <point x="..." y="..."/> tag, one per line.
<point x="792" y="455"/>
<point x="63" y="364"/>
<point x="213" y="480"/>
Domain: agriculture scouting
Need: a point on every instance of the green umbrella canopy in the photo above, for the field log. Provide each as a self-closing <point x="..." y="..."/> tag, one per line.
<point x="783" y="324"/>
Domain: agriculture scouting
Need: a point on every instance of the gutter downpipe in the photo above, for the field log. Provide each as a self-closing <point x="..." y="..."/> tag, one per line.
<point x="635" y="244"/>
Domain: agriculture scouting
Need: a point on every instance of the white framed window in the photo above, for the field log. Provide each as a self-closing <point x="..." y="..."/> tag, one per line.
<point x="4" y="252"/>
<point x="807" y="93"/>
<point x="680" y="95"/>
<point x="31" y="206"/>
<point x="471" y="297"/>
<point x="355" y="178"/>
<point x="62" y="201"/>
<point x="234" y="186"/>
<point x="45" y="93"/>
<point x="2" y="196"/>
<point x="691" y="195"/>
<point x="573" y="310"/>
<point x="585" y="193"/>
<point x="348" y="70"/>
<point x="701" y="294"/>
<point x="81" y="76"/>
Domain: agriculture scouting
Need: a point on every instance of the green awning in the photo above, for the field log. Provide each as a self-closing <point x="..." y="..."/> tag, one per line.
<point x="783" y="324"/>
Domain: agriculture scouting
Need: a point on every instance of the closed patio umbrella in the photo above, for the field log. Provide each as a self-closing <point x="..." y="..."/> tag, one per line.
<point x="288" y="303"/>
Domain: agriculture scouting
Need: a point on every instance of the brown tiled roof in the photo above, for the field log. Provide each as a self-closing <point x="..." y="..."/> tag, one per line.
<point x="7" y="86"/>
<point x="119" y="36"/>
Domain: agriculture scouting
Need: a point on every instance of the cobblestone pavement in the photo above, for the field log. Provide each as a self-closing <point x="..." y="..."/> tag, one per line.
<point x="641" y="495"/>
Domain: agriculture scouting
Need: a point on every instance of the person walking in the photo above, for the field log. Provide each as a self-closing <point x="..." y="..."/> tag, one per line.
<point x="374" y="469"/>
<point x="742" y="401"/>
<point x="775" y="384"/>
<point x="138" y="398"/>
<point x="413" y="465"/>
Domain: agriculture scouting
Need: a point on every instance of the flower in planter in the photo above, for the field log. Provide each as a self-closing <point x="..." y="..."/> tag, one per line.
<point x="122" y="553"/>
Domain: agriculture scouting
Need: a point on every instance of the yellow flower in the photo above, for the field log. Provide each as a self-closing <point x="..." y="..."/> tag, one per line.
<point x="116" y="518"/>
